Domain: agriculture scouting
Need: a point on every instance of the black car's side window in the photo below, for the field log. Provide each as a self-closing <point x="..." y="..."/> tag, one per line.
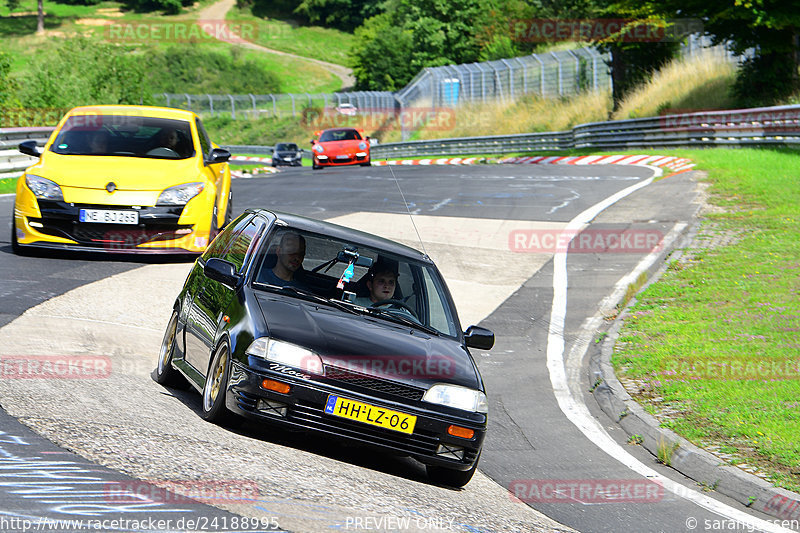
<point x="205" y="142"/>
<point x="219" y="245"/>
<point x="241" y="247"/>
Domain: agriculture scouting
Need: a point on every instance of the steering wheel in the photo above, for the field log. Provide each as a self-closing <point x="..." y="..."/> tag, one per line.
<point x="163" y="151"/>
<point x="399" y="303"/>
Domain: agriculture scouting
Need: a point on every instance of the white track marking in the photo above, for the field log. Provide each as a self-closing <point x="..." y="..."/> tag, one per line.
<point x="579" y="414"/>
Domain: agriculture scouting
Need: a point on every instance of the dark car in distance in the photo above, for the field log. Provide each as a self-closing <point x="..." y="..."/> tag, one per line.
<point x="316" y="352"/>
<point x="288" y="154"/>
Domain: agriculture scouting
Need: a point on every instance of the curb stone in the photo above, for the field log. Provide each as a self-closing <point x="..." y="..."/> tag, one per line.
<point x="693" y="462"/>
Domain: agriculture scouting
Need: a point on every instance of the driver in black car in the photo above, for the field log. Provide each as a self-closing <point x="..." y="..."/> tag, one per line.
<point x="381" y="281"/>
<point x="289" y="262"/>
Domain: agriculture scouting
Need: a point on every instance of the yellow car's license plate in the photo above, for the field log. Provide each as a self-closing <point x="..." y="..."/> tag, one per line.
<point x="370" y="414"/>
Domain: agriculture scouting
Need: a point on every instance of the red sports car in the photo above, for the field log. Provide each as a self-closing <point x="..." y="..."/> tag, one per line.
<point x="340" y="146"/>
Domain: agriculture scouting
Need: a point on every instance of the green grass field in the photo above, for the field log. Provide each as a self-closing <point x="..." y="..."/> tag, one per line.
<point x="325" y="44"/>
<point x="713" y="346"/>
<point x="63" y="20"/>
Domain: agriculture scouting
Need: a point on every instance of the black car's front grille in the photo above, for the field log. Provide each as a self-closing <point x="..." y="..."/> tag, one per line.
<point x="372" y="383"/>
<point x="312" y="416"/>
<point x="308" y="415"/>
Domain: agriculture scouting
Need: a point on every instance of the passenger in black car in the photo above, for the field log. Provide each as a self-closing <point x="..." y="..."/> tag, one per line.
<point x="289" y="261"/>
<point x="381" y="281"/>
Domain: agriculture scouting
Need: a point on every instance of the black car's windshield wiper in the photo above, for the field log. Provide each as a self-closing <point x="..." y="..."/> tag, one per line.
<point x="307" y="295"/>
<point x="400" y="317"/>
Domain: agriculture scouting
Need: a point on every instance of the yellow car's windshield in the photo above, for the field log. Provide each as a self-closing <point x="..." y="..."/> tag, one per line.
<point x="118" y="135"/>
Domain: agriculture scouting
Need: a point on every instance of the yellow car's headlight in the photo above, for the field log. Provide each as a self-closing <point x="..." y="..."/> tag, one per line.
<point x="43" y="188"/>
<point x="179" y="194"/>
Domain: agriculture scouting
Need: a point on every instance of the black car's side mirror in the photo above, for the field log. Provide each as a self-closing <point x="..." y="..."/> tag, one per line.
<point x="29" y="148"/>
<point x="218" y="155"/>
<point x="222" y="271"/>
<point x="478" y="337"/>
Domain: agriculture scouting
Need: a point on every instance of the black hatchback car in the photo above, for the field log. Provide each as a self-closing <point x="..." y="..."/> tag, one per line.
<point x="288" y="154"/>
<point x="317" y="327"/>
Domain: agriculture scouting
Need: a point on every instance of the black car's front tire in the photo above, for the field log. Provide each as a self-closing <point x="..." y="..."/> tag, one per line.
<point x="165" y="374"/>
<point x="213" y="406"/>
<point x="449" y="477"/>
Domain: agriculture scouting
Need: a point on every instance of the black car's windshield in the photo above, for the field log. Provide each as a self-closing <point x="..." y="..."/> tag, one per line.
<point x="122" y="135"/>
<point x="286" y="147"/>
<point x="364" y="279"/>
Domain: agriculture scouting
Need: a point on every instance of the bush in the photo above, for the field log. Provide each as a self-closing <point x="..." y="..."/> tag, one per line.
<point x="188" y="69"/>
<point x="116" y="76"/>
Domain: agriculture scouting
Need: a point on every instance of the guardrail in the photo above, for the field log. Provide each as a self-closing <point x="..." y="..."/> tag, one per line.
<point x="765" y="126"/>
<point x="12" y="162"/>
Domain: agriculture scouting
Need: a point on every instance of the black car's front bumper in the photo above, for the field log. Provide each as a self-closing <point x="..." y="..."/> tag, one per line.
<point x="280" y="161"/>
<point x="303" y="409"/>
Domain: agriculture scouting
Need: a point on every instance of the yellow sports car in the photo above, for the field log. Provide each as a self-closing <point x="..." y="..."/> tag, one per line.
<point x="125" y="179"/>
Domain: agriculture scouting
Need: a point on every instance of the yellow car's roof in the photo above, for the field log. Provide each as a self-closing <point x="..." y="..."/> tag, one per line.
<point x="136" y="110"/>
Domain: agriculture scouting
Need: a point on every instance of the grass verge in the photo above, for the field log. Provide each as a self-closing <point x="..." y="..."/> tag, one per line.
<point x="713" y="346"/>
<point x="8" y="185"/>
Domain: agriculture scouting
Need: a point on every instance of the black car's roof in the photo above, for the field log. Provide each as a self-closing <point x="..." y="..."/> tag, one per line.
<point x="345" y="234"/>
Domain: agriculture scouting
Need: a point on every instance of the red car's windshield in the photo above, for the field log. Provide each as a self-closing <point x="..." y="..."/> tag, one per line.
<point x="339" y="135"/>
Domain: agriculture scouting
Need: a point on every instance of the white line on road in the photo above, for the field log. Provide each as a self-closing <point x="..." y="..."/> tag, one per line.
<point x="578" y="413"/>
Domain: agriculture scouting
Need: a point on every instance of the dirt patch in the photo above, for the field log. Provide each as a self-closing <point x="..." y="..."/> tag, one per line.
<point x="94" y="22"/>
<point x="113" y="12"/>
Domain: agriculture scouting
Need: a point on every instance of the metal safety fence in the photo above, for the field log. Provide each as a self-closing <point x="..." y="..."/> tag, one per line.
<point x="759" y="127"/>
<point x="275" y="105"/>
<point x="551" y="74"/>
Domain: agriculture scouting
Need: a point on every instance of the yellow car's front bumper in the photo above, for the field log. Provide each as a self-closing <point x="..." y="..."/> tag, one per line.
<point x="160" y="229"/>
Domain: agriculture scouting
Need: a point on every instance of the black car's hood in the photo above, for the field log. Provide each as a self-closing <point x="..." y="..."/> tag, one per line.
<point x="368" y="345"/>
<point x="287" y="153"/>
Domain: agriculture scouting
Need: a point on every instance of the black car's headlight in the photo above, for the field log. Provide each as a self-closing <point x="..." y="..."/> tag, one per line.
<point x="179" y="194"/>
<point x="43" y="188"/>
<point x="286" y="353"/>
<point x="456" y="396"/>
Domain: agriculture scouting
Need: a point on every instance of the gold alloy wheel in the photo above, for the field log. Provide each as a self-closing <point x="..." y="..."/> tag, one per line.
<point x="166" y="345"/>
<point x="214" y="381"/>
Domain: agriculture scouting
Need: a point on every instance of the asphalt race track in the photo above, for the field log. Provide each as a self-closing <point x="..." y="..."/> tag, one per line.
<point x="488" y="228"/>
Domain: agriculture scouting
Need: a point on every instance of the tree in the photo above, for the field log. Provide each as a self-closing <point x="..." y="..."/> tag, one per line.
<point x="769" y="27"/>
<point x="40" y="17"/>
<point x="14" y="4"/>
<point x="413" y="34"/>
<point x="342" y="14"/>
